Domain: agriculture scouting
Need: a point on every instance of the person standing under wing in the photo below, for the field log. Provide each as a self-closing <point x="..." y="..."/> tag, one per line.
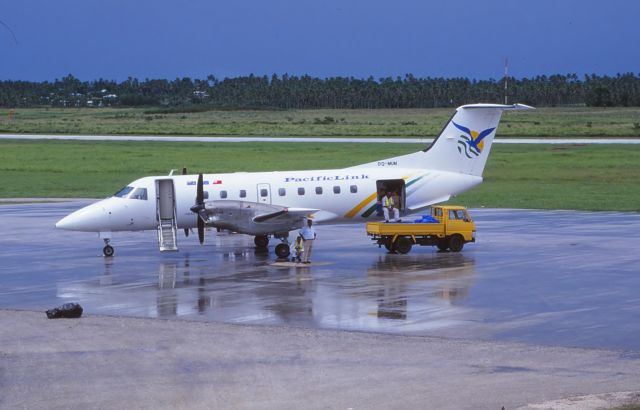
<point x="308" y="235"/>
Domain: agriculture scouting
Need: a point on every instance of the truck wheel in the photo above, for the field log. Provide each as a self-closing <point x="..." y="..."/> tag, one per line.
<point x="403" y="245"/>
<point x="456" y="243"/>
<point x="387" y="244"/>
<point x="443" y="244"/>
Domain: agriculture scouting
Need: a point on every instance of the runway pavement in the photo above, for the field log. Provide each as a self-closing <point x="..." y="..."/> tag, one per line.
<point x="380" y="140"/>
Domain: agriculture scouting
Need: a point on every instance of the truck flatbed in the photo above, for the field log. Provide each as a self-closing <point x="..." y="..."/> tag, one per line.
<point x="405" y="228"/>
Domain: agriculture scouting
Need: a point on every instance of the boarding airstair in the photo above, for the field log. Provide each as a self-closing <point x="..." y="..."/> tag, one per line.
<point x="166" y="215"/>
<point x="167" y="237"/>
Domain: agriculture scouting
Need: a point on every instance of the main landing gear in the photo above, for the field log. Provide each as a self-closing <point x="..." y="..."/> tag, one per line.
<point x="261" y="241"/>
<point x="108" y="250"/>
<point x="282" y="249"/>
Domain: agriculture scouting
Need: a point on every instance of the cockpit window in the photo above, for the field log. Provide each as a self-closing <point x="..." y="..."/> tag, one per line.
<point x="123" y="192"/>
<point x="139" y="193"/>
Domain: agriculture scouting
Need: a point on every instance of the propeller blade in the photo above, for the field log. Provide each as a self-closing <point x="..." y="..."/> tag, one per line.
<point x="199" y="207"/>
<point x="200" y="230"/>
<point x="200" y="191"/>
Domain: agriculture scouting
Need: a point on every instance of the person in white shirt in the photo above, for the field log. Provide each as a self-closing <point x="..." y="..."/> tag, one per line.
<point x="388" y="204"/>
<point x="308" y="235"/>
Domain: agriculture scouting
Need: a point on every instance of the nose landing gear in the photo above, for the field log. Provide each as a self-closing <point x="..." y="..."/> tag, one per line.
<point x="108" y="250"/>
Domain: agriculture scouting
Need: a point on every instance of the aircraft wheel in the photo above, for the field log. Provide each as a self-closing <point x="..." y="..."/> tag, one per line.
<point x="456" y="243"/>
<point x="283" y="250"/>
<point x="108" y="251"/>
<point x="442" y="244"/>
<point x="403" y="245"/>
<point x="261" y="241"/>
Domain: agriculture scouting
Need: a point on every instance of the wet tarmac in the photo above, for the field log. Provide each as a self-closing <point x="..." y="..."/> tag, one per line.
<point x="555" y="278"/>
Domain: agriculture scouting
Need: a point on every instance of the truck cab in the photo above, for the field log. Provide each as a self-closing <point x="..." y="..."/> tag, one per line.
<point x="456" y="219"/>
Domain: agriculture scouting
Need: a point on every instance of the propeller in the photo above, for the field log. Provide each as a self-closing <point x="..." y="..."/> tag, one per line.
<point x="198" y="208"/>
<point x="186" y="231"/>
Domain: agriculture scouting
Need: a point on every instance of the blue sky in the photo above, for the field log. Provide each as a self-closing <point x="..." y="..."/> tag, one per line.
<point x="114" y="39"/>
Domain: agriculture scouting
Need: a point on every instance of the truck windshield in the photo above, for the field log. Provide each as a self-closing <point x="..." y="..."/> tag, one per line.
<point x="457" y="214"/>
<point x="123" y="192"/>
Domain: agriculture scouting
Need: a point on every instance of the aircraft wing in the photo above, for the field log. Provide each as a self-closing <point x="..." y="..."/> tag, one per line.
<point x="254" y="218"/>
<point x="295" y="215"/>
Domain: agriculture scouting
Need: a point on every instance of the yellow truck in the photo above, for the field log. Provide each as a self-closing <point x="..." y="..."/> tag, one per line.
<point x="447" y="227"/>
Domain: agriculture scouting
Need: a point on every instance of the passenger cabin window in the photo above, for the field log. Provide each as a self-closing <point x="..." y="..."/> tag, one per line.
<point x="336" y="189"/>
<point x="243" y="193"/>
<point x="123" y="192"/>
<point x="223" y="194"/>
<point x="353" y="189"/>
<point x="264" y="192"/>
<point x="139" y="193"/>
<point x="282" y="191"/>
<point x="300" y="191"/>
<point x="319" y="190"/>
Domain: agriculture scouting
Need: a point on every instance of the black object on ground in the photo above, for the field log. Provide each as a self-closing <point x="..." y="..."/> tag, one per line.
<point x="68" y="311"/>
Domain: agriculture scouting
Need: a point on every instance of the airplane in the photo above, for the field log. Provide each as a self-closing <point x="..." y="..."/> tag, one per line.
<point x="271" y="204"/>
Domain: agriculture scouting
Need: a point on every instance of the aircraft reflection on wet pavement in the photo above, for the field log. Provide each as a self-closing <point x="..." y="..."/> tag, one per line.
<point x="417" y="292"/>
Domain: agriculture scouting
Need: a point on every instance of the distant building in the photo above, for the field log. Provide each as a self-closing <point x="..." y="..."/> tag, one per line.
<point x="200" y="94"/>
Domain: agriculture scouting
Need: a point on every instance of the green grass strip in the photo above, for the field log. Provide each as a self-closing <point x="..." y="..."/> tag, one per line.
<point x="581" y="177"/>
<point x="543" y="122"/>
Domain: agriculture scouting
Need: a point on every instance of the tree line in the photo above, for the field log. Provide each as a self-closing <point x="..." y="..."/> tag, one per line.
<point x="302" y="92"/>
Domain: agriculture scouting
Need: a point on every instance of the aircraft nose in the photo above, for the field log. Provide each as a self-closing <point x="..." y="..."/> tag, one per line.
<point x="90" y="218"/>
<point x="69" y="222"/>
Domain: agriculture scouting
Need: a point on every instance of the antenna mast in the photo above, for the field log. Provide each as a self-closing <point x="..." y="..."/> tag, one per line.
<point x="506" y="81"/>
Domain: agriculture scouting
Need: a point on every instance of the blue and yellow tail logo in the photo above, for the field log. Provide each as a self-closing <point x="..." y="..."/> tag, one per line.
<point x="473" y="142"/>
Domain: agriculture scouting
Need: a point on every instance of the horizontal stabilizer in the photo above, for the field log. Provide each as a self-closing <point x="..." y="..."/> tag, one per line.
<point x="502" y="107"/>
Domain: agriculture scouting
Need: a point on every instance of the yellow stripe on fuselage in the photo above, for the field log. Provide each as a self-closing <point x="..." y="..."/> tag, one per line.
<point x="361" y="205"/>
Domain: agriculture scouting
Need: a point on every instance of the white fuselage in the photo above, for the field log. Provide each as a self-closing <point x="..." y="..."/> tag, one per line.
<point x="342" y="195"/>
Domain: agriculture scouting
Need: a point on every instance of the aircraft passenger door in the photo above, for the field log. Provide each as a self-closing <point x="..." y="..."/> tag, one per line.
<point x="165" y="198"/>
<point x="397" y="187"/>
<point x="166" y="214"/>
<point x="264" y="193"/>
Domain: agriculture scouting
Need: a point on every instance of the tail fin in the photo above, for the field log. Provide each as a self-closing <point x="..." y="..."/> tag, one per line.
<point x="464" y="144"/>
